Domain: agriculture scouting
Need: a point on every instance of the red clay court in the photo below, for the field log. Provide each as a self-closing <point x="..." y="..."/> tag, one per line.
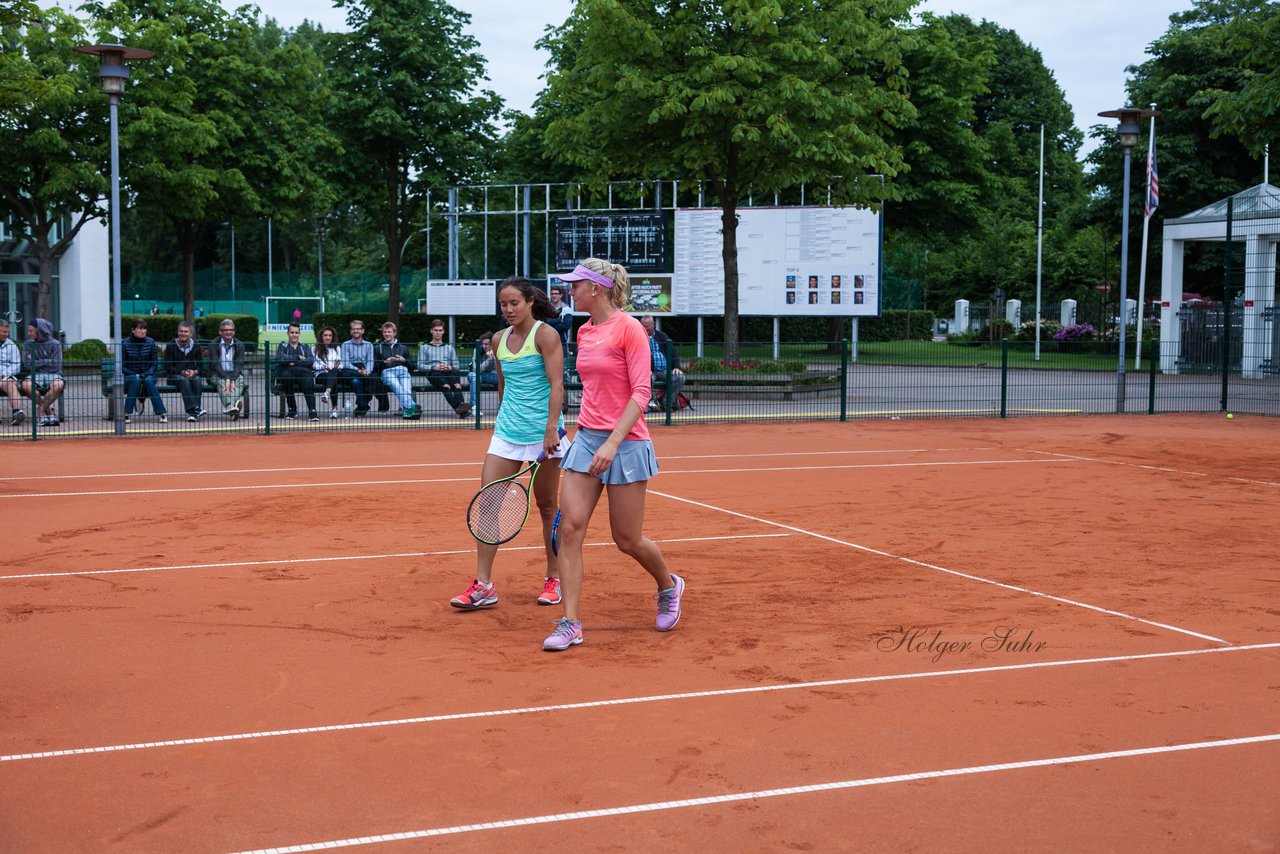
<point x="961" y="635"/>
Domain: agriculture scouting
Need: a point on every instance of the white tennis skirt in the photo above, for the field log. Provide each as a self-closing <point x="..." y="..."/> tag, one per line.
<point x="522" y="453"/>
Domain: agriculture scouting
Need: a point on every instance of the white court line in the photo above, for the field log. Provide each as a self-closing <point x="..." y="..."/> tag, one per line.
<point x="298" y="560"/>
<point x="171" y="490"/>
<point x="1164" y="469"/>
<point x="627" y="701"/>
<point x="738" y="797"/>
<point x="932" y="566"/>
<point x="193" y="473"/>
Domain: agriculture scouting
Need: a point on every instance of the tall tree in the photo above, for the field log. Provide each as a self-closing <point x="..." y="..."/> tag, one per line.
<point x="411" y="113"/>
<point x="224" y="123"/>
<point x="746" y="95"/>
<point x="52" y="174"/>
<point x="1251" y="112"/>
<point x="1190" y="65"/>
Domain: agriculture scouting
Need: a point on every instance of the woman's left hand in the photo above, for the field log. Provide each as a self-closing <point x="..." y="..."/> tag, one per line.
<point x="603" y="458"/>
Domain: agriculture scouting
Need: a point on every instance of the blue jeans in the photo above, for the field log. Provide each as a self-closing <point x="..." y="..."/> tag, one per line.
<point x="397" y="379"/>
<point x="487" y="378"/>
<point x="132" y="382"/>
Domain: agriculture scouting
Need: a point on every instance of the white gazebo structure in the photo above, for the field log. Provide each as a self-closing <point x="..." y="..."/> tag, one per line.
<point x="1255" y="221"/>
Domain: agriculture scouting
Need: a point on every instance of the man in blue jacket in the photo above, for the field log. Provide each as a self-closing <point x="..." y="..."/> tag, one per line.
<point x="139" y="358"/>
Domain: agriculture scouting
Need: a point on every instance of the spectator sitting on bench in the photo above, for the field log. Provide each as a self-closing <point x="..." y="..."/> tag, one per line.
<point x="42" y="356"/>
<point x="138" y="360"/>
<point x="357" y="354"/>
<point x="659" y="345"/>
<point x="390" y="361"/>
<point x="10" y="367"/>
<point x="226" y="367"/>
<point x="486" y="372"/>
<point x="185" y="366"/>
<point x="440" y="363"/>
<point x="293" y="367"/>
<point x="328" y="368"/>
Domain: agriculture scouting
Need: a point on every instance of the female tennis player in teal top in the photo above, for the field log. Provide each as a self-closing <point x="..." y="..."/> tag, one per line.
<point x="530" y="393"/>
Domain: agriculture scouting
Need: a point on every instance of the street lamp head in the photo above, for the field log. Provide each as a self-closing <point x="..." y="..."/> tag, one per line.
<point x="1129" y="123"/>
<point x="112" y="72"/>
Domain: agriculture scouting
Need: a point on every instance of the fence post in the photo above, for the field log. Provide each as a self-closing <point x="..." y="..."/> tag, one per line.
<point x="844" y="379"/>
<point x="266" y="395"/>
<point x="667" y="397"/>
<point x="1226" y="306"/>
<point x="475" y="386"/>
<point x="35" y="410"/>
<point x="1153" y="357"/>
<point x="1004" y="377"/>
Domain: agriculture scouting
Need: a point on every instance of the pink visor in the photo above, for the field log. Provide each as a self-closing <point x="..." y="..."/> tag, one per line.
<point x="580" y="272"/>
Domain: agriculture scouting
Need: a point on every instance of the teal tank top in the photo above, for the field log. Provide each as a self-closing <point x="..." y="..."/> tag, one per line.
<point x="526" y="392"/>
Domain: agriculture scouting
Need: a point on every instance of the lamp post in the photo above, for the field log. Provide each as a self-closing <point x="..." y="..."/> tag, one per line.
<point x="112" y="75"/>
<point x="1129" y="129"/>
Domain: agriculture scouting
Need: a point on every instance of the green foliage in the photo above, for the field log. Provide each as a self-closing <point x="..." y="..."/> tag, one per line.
<point x="88" y="350"/>
<point x="745" y="366"/>
<point x="897" y="325"/>
<point x="54" y="125"/>
<point x="970" y="198"/>
<point x="410" y="112"/>
<point x="226" y="124"/>
<point x="413" y="328"/>
<point x="207" y="327"/>
<point x="1251" y="111"/>
<point x="753" y="95"/>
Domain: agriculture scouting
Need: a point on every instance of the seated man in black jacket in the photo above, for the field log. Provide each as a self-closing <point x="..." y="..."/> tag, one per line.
<point x="139" y="357"/>
<point x="185" y="367"/>
<point x="293" y="367"/>
<point x="659" y="347"/>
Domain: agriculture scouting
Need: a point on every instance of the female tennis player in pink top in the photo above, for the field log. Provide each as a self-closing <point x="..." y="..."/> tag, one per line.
<point x="611" y="448"/>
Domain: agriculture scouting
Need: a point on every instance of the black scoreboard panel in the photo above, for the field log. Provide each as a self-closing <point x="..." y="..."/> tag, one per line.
<point x="636" y="241"/>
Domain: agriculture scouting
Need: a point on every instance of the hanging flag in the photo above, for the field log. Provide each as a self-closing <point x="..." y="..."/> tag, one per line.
<point x="1153" y="180"/>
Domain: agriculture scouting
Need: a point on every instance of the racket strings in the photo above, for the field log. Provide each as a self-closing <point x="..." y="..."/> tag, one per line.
<point x="498" y="511"/>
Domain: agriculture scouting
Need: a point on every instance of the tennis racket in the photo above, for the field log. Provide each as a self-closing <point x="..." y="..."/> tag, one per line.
<point x="555" y="534"/>
<point x="499" y="510"/>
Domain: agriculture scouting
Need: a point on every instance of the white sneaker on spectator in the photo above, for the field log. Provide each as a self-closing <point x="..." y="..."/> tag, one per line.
<point x="164" y="418"/>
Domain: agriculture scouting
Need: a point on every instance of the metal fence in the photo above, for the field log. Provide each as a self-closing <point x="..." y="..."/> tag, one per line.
<point x="768" y="382"/>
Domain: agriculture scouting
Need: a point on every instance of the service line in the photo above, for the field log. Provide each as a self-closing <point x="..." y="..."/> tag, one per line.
<point x="327" y="559"/>
<point x="738" y="797"/>
<point x="625" y="701"/>
<point x="935" y="567"/>
<point x="1163" y="469"/>
<point x="346" y="483"/>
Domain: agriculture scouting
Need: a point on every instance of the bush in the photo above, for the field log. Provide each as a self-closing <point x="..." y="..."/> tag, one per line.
<point x="88" y="350"/>
<point x="1075" y="332"/>
<point x="897" y="325"/>
<point x="413" y="328"/>
<point x="746" y="366"/>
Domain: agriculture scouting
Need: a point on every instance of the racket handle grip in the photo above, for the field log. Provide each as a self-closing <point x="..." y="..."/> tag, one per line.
<point x="543" y="456"/>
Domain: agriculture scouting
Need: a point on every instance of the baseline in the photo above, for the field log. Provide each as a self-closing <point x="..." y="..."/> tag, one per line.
<point x="770" y="793"/>
<point x="298" y="560"/>
<point x="935" y="567"/>
<point x="627" y="701"/>
<point x="347" y="483"/>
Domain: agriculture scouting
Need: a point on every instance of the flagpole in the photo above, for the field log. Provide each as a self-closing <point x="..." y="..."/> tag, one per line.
<point x="1039" y="242"/>
<point x="1146" y="224"/>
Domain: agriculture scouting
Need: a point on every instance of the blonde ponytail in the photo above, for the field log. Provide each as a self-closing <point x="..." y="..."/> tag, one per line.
<point x="620" y="293"/>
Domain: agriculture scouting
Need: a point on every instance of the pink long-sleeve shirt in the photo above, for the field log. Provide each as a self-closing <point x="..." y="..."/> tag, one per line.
<point x="613" y="361"/>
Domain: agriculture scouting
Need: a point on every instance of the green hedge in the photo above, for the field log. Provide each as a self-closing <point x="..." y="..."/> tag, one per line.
<point x="897" y="325"/>
<point x="892" y="326"/>
<point x="164" y="327"/>
<point x="414" y="328"/>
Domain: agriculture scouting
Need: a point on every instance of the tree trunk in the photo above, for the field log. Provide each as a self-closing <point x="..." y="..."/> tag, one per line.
<point x="726" y="190"/>
<point x="836" y="328"/>
<point x="44" y="293"/>
<point x="187" y="240"/>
